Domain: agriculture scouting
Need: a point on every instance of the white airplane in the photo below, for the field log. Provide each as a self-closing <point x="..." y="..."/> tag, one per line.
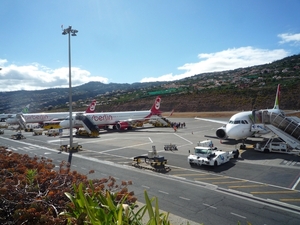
<point x="240" y="125"/>
<point x="4" y="117"/>
<point x="119" y="120"/>
<point x="42" y="117"/>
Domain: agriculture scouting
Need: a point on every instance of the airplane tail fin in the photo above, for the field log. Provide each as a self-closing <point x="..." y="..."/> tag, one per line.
<point x="155" y="108"/>
<point x="277" y="99"/>
<point x="26" y="109"/>
<point x="91" y="107"/>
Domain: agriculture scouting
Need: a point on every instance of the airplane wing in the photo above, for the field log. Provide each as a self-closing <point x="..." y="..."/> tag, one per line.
<point x="211" y="120"/>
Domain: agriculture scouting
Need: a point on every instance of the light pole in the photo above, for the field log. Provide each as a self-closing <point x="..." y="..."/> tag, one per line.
<point x="70" y="32"/>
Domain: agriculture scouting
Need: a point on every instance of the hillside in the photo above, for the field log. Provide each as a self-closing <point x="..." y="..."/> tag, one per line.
<point x="234" y="90"/>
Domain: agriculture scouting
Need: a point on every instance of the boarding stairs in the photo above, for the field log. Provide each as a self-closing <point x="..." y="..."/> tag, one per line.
<point x="21" y="120"/>
<point x="88" y="125"/>
<point x="159" y="121"/>
<point x="287" y="128"/>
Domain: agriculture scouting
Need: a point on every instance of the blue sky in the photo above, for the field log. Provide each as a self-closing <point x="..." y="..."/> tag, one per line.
<point x="127" y="41"/>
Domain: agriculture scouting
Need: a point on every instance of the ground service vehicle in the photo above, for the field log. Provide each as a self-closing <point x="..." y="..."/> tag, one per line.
<point x="275" y="145"/>
<point x="51" y="125"/>
<point x="170" y="147"/>
<point x="52" y="132"/>
<point x="18" y="136"/>
<point x="206" y="155"/>
<point x="38" y="131"/>
<point x="152" y="162"/>
<point x="75" y="147"/>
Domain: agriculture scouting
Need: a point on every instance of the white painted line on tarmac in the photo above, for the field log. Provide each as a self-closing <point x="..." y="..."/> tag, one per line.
<point x="238" y="215"/>
<point x="210" y="206"/>
<point x="296" y="184"/>
<point x="129" y="146"/>
<point x="184" y="198"/>
<point x="163" y="192"/>
<point x="184" y="138"/>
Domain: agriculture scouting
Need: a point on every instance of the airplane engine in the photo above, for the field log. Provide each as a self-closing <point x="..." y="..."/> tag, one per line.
<point x="221" y="133"/>
<point x="122" y="125"/>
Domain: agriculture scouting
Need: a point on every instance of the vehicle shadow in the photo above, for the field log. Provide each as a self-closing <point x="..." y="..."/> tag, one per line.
<point x="218" y="169"/>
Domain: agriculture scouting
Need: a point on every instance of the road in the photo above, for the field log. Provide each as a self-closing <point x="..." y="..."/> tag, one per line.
<point x="257" y="187"/>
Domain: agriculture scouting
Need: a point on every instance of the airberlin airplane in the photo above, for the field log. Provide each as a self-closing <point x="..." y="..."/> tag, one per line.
<point x="42" y="117"/>
<point x="119" y="120"/>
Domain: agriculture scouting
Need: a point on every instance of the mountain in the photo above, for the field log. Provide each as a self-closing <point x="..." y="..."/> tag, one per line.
<point x="239" y="89"/>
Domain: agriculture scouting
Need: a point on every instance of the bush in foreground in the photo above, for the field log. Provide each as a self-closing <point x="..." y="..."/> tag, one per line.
<point x="31" y="192"/>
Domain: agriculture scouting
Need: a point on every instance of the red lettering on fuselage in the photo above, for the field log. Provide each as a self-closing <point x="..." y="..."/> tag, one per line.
<point x="102" y="118"/>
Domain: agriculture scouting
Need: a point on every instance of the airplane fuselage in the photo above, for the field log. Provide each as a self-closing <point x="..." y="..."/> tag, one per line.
<point x="109" y="118"/>
<point x="38" y="117"/>
<point x="4" y="117"/>
<point x="241" y="125"/>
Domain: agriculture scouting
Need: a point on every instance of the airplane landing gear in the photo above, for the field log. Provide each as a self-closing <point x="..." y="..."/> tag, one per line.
<point x="243" y="146"/>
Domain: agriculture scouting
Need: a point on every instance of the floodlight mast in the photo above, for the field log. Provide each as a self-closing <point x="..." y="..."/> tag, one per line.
<point x="70" y="32"/>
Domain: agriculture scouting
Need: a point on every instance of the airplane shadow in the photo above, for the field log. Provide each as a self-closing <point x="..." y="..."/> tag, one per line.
<point x="237" y="142"/>
<point x="251" y="154"/>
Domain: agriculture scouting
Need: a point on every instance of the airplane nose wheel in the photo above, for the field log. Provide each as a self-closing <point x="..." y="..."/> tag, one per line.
<point x="243" y="146"/>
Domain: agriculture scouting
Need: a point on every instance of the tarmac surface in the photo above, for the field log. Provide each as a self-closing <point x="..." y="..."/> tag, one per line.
<point x="272" y="176"/>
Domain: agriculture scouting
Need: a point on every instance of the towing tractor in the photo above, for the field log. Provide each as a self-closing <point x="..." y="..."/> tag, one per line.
<point x="75" y="147"/>
<point x="210" y="156"/>
<point x="18" y="136"/>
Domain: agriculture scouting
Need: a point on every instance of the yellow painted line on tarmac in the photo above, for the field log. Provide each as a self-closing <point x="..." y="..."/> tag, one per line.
<point x="248" y="186"/>
<point x="210" y="178"/>
<point x="189" y="174"/>
<point x="273" y="192"/>
<point x="289" y="199"/>
<point x="230" y="182"/>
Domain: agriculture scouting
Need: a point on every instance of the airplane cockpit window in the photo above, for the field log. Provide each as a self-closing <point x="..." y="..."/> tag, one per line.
<point x="230" y="122"/>
<point x="243" y="121"/>
<point x="237" y="122"/>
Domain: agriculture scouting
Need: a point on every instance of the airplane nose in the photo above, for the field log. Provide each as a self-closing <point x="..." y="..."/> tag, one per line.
<point x="231" y="131"/>
<point x="62" y="124"/>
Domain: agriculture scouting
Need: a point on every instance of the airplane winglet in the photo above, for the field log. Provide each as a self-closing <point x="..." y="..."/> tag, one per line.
<point x="277" y="99"/>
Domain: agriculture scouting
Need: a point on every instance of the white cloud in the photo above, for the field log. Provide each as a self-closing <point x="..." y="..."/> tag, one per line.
<point x="287" y="37"/>
<point x="37" y="77"/>
<point x="225" y="60"/>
